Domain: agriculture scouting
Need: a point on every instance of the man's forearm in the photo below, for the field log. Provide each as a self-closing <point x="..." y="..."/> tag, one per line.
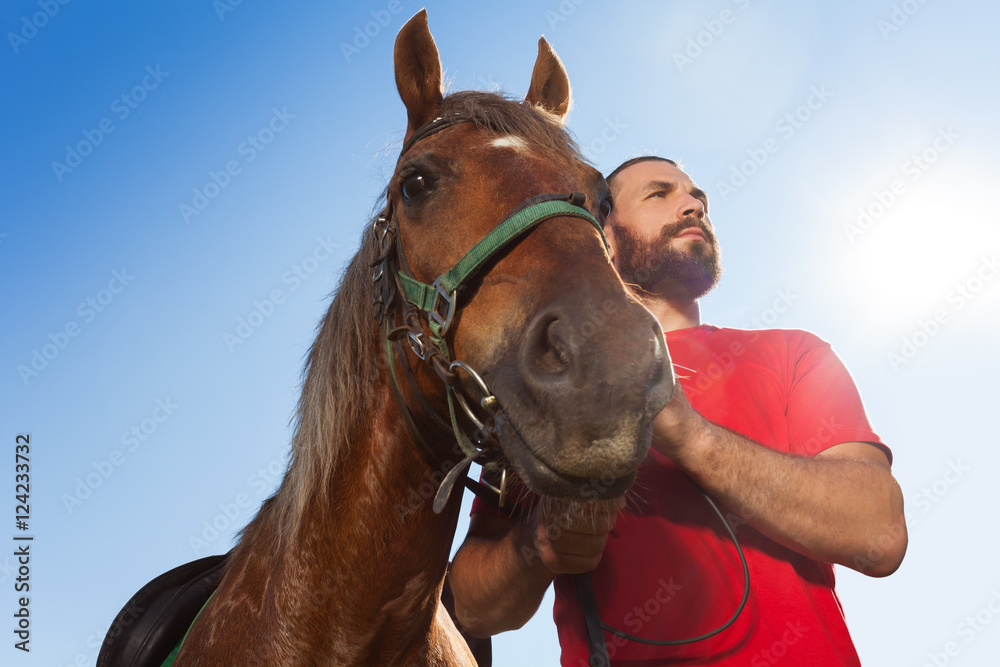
<point x="830" y="509"/>
<point x="498" y="582"/>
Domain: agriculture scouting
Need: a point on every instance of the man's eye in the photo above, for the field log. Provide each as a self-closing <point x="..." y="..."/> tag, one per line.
<point x="412" y="186"/>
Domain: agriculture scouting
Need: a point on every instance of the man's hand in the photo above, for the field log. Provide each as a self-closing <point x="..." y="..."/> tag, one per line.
<point x="503" y="569"/>
<point x="675" y="426"/>
<point x="570" y="537"/>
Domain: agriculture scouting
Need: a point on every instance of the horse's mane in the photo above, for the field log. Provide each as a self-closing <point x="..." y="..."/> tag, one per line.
<point x="344" y="364"/>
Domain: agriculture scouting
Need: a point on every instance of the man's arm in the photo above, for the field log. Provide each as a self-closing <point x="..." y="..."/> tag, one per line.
<point x="504" y="567"/>
<point x="841" y="506"/>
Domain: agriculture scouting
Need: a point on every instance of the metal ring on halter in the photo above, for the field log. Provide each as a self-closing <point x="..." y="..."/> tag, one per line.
<point x="503" y="486"/>
<point x="488" y="402"/>
<point x="378" y="272"/>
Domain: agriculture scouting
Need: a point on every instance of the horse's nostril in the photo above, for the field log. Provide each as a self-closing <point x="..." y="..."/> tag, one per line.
<point x="557" y="344"/>
<point x="549" y="356"/>
<point x="547" y="350"/>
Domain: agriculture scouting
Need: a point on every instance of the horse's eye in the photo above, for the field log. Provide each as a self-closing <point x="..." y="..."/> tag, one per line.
<point x="413" y="185"/>
<point x="605" y="208"/>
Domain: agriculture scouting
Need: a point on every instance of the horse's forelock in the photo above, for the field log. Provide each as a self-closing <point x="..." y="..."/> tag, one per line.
<point x="504" y="115"/>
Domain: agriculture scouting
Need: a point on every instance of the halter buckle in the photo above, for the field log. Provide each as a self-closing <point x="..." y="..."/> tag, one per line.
<point x="435" y="314"/>
<point x="417" y="344"/>
<point x="380" y="229"/>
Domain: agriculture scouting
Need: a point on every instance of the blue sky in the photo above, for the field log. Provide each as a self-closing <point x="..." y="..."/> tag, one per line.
<point x="849" y="151"/>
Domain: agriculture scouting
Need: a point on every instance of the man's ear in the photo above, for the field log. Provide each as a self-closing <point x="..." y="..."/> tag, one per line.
<point x="418" y="71"/>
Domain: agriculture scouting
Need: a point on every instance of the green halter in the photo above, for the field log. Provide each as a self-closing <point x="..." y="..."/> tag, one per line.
<point x="438" y="299"/>
<point x="438" y="302"/>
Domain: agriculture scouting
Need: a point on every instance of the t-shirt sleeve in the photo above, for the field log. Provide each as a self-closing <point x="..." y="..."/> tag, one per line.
<point x="824" y="407"/>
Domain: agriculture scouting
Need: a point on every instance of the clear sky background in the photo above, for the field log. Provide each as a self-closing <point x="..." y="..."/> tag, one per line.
<point x="849" y="150"/>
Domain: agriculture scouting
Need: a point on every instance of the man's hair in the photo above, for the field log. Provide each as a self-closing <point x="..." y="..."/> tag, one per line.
<point x="628" y="163"/>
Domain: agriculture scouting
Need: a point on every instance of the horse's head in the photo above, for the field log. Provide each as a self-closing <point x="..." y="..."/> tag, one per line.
<point x="578" y="368"/>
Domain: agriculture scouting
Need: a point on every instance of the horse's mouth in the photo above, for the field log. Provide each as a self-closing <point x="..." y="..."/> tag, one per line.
<point x="543" y="479"/>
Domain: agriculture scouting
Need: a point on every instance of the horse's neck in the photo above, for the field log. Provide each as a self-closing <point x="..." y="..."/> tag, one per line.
<point x="380" y="547"/>
<point x="359" y="581"/>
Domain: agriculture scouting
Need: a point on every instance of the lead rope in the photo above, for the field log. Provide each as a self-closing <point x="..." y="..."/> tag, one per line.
<point x="595" y="626"/>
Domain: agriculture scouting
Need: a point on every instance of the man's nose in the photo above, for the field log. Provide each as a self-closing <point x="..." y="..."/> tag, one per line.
<point x="690" y="205"/>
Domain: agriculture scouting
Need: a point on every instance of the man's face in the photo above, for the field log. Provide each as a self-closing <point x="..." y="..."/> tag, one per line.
<point x="661" y="238"/>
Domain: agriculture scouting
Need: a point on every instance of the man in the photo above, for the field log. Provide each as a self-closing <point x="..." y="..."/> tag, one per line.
<point x="768" y="423"/>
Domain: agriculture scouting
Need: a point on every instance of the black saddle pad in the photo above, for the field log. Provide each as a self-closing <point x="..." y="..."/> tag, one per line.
<point x="152" y="623"/>
<point x="155" y="620"/>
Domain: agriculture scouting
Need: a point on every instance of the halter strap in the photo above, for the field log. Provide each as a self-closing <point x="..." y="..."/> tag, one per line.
<point x="432" y="126"/>
<point x="431" y="298"/>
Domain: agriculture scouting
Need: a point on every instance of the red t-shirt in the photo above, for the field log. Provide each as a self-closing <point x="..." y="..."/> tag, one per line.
<point x="670" y="571"/>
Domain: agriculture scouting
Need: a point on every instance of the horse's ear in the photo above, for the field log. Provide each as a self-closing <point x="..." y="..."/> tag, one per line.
<point x="418" y="71"/>
<point x="549" y="87"/>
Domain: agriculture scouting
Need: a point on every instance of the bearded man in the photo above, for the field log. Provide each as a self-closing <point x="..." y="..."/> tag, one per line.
<point x="768" y="423"/>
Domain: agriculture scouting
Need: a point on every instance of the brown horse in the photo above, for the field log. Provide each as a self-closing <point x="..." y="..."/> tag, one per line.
<point x="341" y="566"/>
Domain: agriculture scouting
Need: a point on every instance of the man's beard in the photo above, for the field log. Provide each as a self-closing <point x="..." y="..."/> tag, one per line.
<point x="653" y="266"/>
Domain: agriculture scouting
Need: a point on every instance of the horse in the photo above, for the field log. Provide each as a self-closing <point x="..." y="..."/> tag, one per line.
<point x="500" y="333"/>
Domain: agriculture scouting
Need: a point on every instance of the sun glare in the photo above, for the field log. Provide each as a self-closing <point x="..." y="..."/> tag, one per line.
<point x="928" y="248"/>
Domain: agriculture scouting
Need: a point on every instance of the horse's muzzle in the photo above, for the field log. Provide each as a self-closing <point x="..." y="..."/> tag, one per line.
<point x="596" y="379"/>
